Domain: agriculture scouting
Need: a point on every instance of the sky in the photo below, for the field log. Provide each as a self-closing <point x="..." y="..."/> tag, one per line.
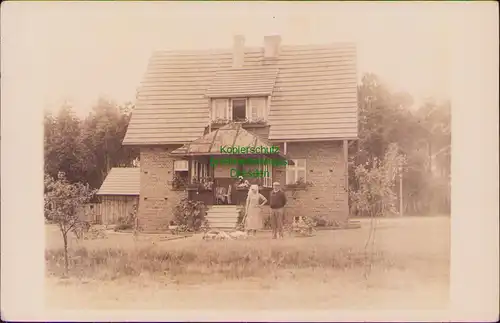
<point x="79" y="51"/>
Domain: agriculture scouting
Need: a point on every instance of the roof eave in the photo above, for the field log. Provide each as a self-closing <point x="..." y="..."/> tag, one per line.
<point x="237" y="95"/>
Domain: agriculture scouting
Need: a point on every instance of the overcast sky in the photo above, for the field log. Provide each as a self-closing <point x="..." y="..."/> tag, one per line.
<point x="78" y="51"/>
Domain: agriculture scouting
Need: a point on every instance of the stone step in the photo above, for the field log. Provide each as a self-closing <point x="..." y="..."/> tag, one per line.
<point x="222" y="220"/>
<point x="222" y="215"/>
<point x="223" y="210"/>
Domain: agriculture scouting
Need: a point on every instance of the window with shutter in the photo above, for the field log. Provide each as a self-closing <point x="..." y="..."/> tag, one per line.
<point x="220" y="109"/>
<point x="258" y="107"/>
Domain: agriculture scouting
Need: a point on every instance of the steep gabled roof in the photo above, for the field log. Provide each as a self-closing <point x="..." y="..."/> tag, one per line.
<point x="121" y="181"/>
<point x="314" y="94"/>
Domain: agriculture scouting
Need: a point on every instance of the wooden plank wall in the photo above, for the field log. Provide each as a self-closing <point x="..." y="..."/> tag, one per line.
<point x="114" y="207"/>
<point x="90" y="212"/>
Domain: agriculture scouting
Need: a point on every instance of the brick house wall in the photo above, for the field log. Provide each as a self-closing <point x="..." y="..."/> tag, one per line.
<point x="325" y="197"/>
<point x="157" y="198"/>
<point x="325" y="170"/>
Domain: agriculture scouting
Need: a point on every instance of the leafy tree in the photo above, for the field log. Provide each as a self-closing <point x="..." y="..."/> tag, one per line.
<point x="86" y="149"/>
<point x="375" y="195"/>
<point x="420" y="133"/>
<point x="62" y="144"/>
<point x="62" y="201"/>
<point x="102" y="134"/>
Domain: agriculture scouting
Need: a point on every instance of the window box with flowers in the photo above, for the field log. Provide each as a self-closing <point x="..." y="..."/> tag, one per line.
<point x="220" y="121"/>
<point x="300" y="184"/>
<point x="256" y="121"/>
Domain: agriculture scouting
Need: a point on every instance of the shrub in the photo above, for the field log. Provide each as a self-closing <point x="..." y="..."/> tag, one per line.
<point x="375" y="195"/>
<point x="127" y="222"/>
<point x="190" y="214"/>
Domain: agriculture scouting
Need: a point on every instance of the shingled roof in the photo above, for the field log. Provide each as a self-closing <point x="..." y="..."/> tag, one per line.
<point x="121" y="181"/>
<point x="255" y="81"/>
<point x="314" y="94"/>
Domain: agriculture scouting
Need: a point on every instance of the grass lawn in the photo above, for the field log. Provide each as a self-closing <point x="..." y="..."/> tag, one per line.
<point x="410" y="270"/>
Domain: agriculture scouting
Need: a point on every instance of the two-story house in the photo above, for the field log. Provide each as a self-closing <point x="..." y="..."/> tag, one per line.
<point x="302" y="99"/>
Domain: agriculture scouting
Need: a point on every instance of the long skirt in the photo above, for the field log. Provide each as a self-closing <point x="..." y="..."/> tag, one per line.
<point x="254" y="219"/>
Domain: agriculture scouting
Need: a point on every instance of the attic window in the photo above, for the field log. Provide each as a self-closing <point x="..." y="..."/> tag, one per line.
<point x="220" y="109"/>
<point x="239" y="108"/>
<point x="254" y="109"/>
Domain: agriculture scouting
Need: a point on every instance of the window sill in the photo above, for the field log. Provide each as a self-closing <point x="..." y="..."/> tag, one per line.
<point x="295" y="188"/>
<point x="245" y="124"/>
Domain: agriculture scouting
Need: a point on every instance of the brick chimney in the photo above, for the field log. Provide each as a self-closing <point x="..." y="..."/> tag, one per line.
<point x="272" y="46"/>
<point x="238" y="51"/>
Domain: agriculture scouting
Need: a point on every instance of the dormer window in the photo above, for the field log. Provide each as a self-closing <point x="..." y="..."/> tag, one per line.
<point x="239" y="109"/>
<point x="220" y="109"/>
<point x="252" y="110"/>
<point x="258" y="109"/>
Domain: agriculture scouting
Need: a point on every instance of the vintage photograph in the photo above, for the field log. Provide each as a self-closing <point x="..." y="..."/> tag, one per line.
<point x="245" y="157"/>
<point x="143" y="212"/>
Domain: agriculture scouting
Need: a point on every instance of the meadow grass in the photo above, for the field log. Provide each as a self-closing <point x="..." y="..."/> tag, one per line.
<point x="401" y="244"/>
<point x="223" y="260"/>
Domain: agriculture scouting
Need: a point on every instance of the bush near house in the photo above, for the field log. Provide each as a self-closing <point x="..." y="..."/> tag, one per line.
<point x="127" y="222"/>
<point x="190" y="215"/>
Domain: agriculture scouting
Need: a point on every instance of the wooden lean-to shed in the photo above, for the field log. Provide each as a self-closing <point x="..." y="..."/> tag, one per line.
<point x="119" y="193"/>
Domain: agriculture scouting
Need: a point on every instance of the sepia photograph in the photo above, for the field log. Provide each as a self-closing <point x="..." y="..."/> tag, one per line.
<point x="242" y="157"/>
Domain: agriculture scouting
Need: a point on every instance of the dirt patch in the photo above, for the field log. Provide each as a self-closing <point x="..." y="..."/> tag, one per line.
<point x="286" y="290"/>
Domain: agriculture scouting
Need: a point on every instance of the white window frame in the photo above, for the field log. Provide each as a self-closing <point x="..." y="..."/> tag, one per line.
<point x="181" y="165"/>
<point x="214" y="107"/>
<point x="267" y="166"/>
<point x="296" y="169"/>
<point x="231" y="107"/>
<point x="250" y="108"/>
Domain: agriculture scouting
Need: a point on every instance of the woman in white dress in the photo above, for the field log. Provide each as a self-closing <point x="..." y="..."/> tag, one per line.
<point x="253" y="221"/>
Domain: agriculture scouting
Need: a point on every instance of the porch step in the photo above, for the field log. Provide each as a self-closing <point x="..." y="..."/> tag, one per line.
<point x="223" y="216"/>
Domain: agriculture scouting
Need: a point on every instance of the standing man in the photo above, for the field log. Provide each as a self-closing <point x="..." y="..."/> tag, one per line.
<point x="277" y="203"/>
